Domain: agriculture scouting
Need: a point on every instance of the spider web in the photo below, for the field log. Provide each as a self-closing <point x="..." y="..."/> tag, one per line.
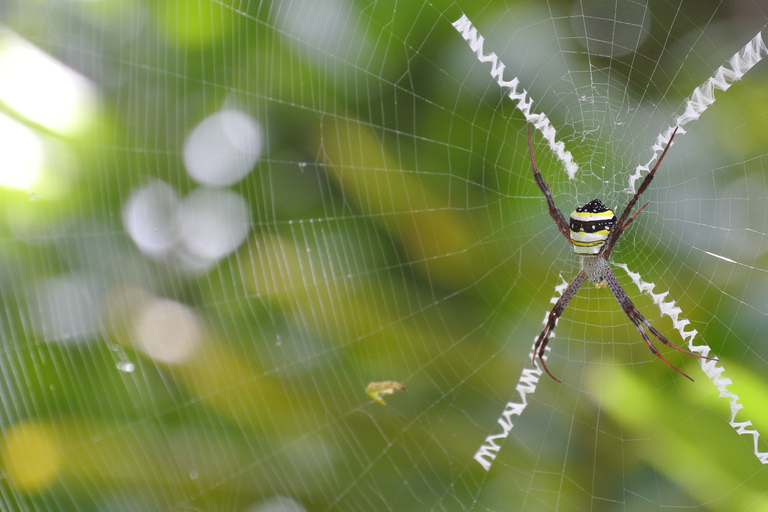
<point x="225" y="222"/>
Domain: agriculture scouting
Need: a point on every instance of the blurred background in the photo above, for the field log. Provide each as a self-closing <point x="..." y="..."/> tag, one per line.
<point x="221" y="220"/>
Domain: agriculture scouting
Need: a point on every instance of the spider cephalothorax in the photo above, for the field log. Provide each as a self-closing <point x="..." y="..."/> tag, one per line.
<point x="593" y="231"/>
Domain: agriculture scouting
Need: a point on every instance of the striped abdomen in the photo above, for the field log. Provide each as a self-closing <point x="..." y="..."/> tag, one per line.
<point x="590" y="226"/>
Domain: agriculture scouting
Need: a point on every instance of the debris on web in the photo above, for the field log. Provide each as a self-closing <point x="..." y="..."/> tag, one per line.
<point x="376" y="390"/>
<point x="712" y="369"/>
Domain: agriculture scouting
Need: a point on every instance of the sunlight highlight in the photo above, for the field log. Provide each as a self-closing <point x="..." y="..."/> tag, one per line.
<point x="21" y="155"/>
<point x="42" y="89"/>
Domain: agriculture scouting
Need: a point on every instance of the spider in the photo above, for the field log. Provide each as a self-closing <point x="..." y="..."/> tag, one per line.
<point x="593" y="231"/>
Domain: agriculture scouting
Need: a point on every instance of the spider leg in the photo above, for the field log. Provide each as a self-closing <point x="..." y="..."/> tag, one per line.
<point x="635" y="215"/>
<point x="560" y="305"/>
<point x="639" y="320"/>
<point x="556" y="214"/>
<point x="669" y="343"/>
<point x="622" y="224"/>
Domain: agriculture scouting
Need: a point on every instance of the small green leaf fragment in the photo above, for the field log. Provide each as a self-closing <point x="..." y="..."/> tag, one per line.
<point x="376" y="389"/>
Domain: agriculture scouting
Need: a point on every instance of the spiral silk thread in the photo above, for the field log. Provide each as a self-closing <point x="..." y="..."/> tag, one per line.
<point x="712" y="369"/>
<point x="520" y="96"/>
<point x="701" y="98"/>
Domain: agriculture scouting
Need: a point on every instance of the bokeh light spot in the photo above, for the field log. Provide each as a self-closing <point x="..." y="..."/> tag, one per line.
<point x="150" y="217"/>
<point x="31" y="455"/>
<point x="167" y="331"/>
<point x="223" y="148"/>
<point x="213" y="223"/>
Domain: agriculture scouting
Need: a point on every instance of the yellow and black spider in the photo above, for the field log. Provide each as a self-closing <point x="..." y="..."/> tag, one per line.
<point x="593" y="231"/>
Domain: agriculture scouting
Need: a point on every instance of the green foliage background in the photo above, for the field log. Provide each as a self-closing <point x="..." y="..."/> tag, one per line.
<point x="397" y="235"/>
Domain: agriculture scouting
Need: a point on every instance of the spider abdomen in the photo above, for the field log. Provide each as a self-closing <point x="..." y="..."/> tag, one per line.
<point x="590" y="226"/>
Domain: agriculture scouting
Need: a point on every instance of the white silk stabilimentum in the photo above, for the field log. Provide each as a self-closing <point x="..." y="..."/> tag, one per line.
<point x="701" y="98"/>
<point x="704" y="95"/>
<point x="523" y="101"/>
<point x="712" y="369"/>
<point x="529" y="379"/>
